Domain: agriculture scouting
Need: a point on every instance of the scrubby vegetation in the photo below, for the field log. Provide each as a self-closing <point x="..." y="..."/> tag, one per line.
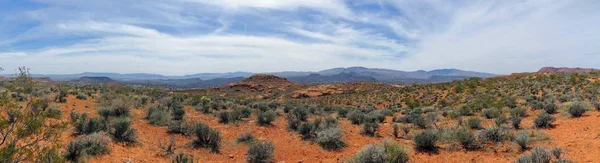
<point x="261" y="152"/>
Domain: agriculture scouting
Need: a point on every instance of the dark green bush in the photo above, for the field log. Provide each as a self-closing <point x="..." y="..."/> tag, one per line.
<point x="543" y="120"/>
<point x="83" y="147"/>
<point x="224" y="117"/>
<point x="122" y="132"/>
<point x="178" y="113"/>
<point x="356" y="116"/>
<point x="550" y="107"/>
<point x="596" y="104"/>
<point x="516" y="122"/>
<point x="260" y="153"/>
<point x="518" y="112"/>
<point x="206" y="137"/>
<point x="370" y="128"/>
<point x="85" y="126"/>
<point x="426" y="141"/>
<point x="495" y="134"/>
<point x="394" y="152"/>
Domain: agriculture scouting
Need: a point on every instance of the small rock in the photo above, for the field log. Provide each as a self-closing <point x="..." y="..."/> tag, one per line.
<point x="230" y="156"/>
<point x="300" y="161"/>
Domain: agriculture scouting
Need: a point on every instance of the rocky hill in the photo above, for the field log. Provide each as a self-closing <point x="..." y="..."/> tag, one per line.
<point x="566" y="70"/>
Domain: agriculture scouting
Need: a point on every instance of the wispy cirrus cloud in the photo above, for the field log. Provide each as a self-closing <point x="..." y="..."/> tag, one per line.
<point x="191" y="36"/>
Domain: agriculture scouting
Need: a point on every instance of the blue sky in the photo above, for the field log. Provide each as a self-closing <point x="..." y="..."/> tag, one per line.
<point x="177" y="37"/>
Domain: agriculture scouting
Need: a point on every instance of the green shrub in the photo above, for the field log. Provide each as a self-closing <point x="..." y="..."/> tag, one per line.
<point x="394" y="152"/>
<point x="180" y="127"/>
<point x="516" y="122"/>
<point x="178" y="113"/>
<point x="83" y="147"/>
<point x="356" y="116"/>
<point x="330" y="139"/>
<point x="577" y="109"/>
<point x="523" y="140"/>
<point x="370" y="128"/>
<point x="306" y="130"/>
<point x="301" y="113"/>
<point x="474" y="123"/>
<point x="467" y="140"/>
<point x="81" y="96"/>
<point x="260" y="153"/>
<point x="495" y="134"/>
<point x="596" y="104"/>
<point x="75" y="116"/>
<point x="543" y="120"/>
<point x="518" y="112"/>
<point x="265" y="118"/>
<point x="184" y="158"/>
<point x="85" y="126"/>
<point x="206" y="137"/>
<point x="246" y="137"/>
<point x="550" y="107"/>
<point x="370" y="154"/>
<point x="157" y="116"/>
<point x="491" y="113"/>
<point x="224" y="117"/>
<point x="53" y="113"/>
<point x="426" y="141"/>
<point x="122" y="132"/>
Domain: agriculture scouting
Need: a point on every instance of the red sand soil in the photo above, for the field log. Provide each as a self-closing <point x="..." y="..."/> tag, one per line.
<point x="579" y="137"/>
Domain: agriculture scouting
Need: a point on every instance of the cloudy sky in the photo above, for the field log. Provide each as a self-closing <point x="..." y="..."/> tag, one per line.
<point x="177" y="37"/>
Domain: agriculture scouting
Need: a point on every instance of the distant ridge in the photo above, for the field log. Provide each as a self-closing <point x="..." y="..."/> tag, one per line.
<point x="566" y="70"/>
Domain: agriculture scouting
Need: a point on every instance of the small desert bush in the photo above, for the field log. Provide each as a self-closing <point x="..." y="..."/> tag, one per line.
<point x="372" y="153"/>
<point x="81" y="96"/>
<point x="538" y="155"/>
<point x="550" y="107"/>
<point x="246" y="137"/>
<point x="515" y="122"/>
<point x="356" y="116"/>
<point x="330" y="139"/>
<point x="370" y="128"/>
<point x="596" y="104"/>
<point x="85" y="126"/>
<point x="474" y="123"/>
<point x="387" y="152"/>
<point x="260" y="153"/>
<point x="122" y="132"/>
<point x="181" y="127"/>
<point x="543" y="120"/>
<point x="467" y="140"/>
<point x="264" y="118"/>
<point x="495" y="134"/>
<point x="157" y="116"/>
<point x="518" y="112"/>
<point x="84" y="147"/>
<point x="206" y="137"/>
<point x="426" y="141"/>
<point x="184" y="158"/>
<point x="178" y="113"/>
<point x="577" y="109"/>
<point x="491" y="113"/>
<point x="224" y="117"/>
<point x="523" y="140"/>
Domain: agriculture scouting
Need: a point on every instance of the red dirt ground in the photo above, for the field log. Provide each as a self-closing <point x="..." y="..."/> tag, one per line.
<point x="579" y="137"/>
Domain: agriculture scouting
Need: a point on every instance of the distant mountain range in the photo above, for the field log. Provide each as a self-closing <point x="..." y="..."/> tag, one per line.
<point x="335" y="75"/>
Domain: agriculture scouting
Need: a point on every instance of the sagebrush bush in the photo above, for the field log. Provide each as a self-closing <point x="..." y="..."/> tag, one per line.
<point x="467" y="140"/>
<point x="157" y="116"/>
<point x="474" y="123"/>
<point x="260" y="153"/>
<point x="246" y="137"/>
<point x="122" y="132"/>
<point x="83" y="147"/>
<point x="577" y="109"/>
<point x="491" y="113"/>
<point x="85" y="126"/>
<point x="181" y="127"/>
<point x="596" y="104"/>
<point x="356" y="116"/>
<point x="265" y="118"/>
<point x="537" y="155"/>
<point x="81" y="96"/>
<point x="550" y="107"/>
<point x="370" y="128"/>
<point x="224" y="117"/>
<point x="523" y="140"/>
<point x="330" y="139"/>
<point x="518" y="112"/>
<point x="370" y="154"/>
<point x="206" y="137"/>
<point x="394" y="152"/>
<point x="184" y="158"/>
<point x="426" y="141"/>
<point x="495" y="134"/>
<point x="178" y="113"/>
<point x="515" y="122"/>
<point x="543" y="120"/>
